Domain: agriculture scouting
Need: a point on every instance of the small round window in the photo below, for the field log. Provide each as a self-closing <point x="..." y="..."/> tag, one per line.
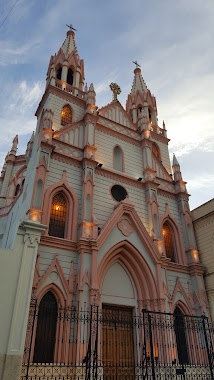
<point x="118" y="193"/>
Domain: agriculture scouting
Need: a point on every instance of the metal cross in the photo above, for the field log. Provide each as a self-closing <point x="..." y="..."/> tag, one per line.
<point x="71" y="27"/>
<point x="137" y="64"/>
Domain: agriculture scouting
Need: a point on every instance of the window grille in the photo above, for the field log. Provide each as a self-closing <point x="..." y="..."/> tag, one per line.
<point x="180" y="334"/>
<point x="46" y="330"/>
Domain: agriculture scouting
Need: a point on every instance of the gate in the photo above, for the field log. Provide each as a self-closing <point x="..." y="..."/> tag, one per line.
<point x="177" y="346"/>
<point x="116" y="344"/>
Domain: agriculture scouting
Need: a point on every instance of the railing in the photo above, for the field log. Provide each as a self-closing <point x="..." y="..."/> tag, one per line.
<point x="70" y="89"/>
<point x="115" y="344"/>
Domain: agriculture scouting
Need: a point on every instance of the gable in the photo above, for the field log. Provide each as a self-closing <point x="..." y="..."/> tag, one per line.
<point x="115" y="112"/>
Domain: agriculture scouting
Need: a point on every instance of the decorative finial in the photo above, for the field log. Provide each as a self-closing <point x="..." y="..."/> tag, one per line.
<point x="136" y="63"/>
<point x="71" y="27"/>
<point x="115" y="89"/>
<point x="164" y="125"/>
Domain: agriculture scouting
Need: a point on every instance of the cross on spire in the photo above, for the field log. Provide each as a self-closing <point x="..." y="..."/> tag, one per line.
<point x="136" y="63"/>
<point x="71" y="27"/>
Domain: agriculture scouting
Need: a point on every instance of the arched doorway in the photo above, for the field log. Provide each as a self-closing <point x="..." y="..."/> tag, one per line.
<point x="180" y="336"/>
<point x="46" y="330"/>
<point x="118" y="333"/>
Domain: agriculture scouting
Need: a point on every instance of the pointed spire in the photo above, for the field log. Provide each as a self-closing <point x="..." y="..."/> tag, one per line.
<point x="30" y="146"/>
<point x="14" y="145"/>
<point x="138" y="82"/>
<point x="176" y="169"/>
<point x="175" y="161"/>
<point x="69" y="44"/>
<point x="86" y="88"/>
<point x="5" y="165"/>
<point x="91" y="95"/>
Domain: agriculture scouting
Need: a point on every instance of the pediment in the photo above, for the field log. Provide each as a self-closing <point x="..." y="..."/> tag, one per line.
<point x="71" y="134"/>
<point x="73" y="59"/>
<point x="127" y="221"/>
<point x="59" y="59"/>
<point x="161" y="171"/>
<point x="55" y="274"/>
<point x="114" y="111"/>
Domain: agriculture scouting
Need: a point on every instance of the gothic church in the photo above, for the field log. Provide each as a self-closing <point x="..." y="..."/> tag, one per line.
<point x="93" y="219"/>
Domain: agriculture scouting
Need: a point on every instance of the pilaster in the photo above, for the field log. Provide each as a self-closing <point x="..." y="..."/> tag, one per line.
<point x="26" y="252"/>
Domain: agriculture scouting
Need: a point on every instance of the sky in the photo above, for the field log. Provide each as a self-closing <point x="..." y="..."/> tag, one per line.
<point x="171" y="39"/>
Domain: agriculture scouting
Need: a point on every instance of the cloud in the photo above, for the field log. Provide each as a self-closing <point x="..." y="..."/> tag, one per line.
<point x="19" y="101"/>
<point x="25" y="96"/>
<point x="202" y="188"/>
<point x="11" y="54"/>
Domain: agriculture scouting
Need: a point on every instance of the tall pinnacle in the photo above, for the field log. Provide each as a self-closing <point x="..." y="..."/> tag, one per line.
<point x="176" y="169"/>
<point x="175" y="161"/>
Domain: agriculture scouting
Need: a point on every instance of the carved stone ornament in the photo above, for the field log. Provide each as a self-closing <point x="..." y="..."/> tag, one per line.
<point x="95" y="296"/>
<point x="125" y="227"/>
<point x="31" y="239"/>
<point x="153" y="302"/>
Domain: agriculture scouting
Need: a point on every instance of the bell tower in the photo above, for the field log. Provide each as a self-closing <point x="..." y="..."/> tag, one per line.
<point x="140" y="102"/>
<point x="66" y="68"/>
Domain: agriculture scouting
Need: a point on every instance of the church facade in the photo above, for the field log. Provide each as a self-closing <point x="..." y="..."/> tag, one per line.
<point x="95" y="225"/>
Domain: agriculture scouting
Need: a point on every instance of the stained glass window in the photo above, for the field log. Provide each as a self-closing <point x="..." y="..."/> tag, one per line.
<point x="58" y="216"/>
<point x="168" y="241"/>
<point x="66" y="115"/>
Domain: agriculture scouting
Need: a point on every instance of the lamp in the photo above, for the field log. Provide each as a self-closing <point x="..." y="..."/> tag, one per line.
<point x="140" y="179"/>
<point x="99" y="165"/>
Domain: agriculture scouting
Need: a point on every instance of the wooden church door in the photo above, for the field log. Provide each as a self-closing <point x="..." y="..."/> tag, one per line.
<point x="117" y="343"/>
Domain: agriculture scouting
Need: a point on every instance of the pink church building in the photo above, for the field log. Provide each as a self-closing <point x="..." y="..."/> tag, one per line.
<point x="98" y="252"/>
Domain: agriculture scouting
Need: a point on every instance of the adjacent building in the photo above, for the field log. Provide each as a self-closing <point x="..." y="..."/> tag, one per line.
<point x="203" y="221"/>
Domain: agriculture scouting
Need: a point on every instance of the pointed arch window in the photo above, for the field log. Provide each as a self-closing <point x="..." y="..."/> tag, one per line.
<point x="66" y="115"/>
<point x="150" y="115"/>
<point x="139" y="110"/>
<point x="118" y="159"/>
<point x="169" y="241"/>
<point x="46" y="330"/>
<point x="180" y="336"/>
<point x="59" y="73"/>
<point x="58" y="216"/>
<point x="70" y="76"/>
<point x="17" y="190"/>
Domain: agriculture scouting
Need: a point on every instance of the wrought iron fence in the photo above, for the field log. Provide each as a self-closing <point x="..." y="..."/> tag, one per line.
<point x="116" y="344"/>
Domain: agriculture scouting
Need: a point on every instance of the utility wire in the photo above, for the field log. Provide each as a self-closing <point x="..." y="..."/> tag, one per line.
<point x="8" y="13"/>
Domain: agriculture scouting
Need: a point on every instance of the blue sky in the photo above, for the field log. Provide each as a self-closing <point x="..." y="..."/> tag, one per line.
<point x="171" y="39"/>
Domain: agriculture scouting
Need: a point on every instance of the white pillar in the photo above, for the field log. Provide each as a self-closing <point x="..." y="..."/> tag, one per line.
<point x="18" y="281"/>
